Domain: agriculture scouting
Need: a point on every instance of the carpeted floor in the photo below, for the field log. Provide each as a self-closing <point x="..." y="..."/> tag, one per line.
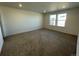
<point x="41" y="42"/>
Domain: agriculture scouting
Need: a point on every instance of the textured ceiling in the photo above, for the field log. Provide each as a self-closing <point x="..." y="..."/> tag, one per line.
<point x="42" y="6"/>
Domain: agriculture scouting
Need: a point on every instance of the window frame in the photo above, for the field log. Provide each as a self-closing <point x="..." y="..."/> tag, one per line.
<point x="65" y="20"/>
<point x="49" y="20"/>
<point x="57" y="18"/>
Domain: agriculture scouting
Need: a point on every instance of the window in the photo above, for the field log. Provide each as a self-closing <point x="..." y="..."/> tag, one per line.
<point x="61" y="20"/>
<point x="52" y="20"/>
<point x="58" y="19"/>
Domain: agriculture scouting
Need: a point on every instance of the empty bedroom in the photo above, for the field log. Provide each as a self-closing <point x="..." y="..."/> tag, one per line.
<point x="39" y="28"/>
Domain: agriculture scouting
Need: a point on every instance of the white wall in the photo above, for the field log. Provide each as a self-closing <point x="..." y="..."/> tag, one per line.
<point x="17" y="21"/>
<point x="1" y="40"/>
<point x="72" y="24"/>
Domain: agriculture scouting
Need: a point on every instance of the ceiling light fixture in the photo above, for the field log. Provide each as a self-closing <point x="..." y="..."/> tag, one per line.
<point x="44" y="11"/>
<point x="20" y="5"/>
<point x="63" y="6"/>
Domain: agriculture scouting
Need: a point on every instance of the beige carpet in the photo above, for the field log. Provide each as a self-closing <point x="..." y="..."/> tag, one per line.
<point x="41" y="42"/>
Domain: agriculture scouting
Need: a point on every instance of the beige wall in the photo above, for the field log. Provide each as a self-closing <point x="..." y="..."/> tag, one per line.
<point x="17" y="21"/>
<point x="72" y="22"/>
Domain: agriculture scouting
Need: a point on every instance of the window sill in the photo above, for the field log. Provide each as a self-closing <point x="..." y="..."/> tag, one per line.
<point x="57" y="26"/>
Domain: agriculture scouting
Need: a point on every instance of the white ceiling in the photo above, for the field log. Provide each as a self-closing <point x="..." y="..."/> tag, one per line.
<point x="42" y="6"/>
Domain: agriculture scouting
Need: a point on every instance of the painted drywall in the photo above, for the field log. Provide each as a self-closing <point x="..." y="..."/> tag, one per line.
<point x="71" y="25"/>
<point x="1" y="40"/>
<point x="17" y="21"/>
